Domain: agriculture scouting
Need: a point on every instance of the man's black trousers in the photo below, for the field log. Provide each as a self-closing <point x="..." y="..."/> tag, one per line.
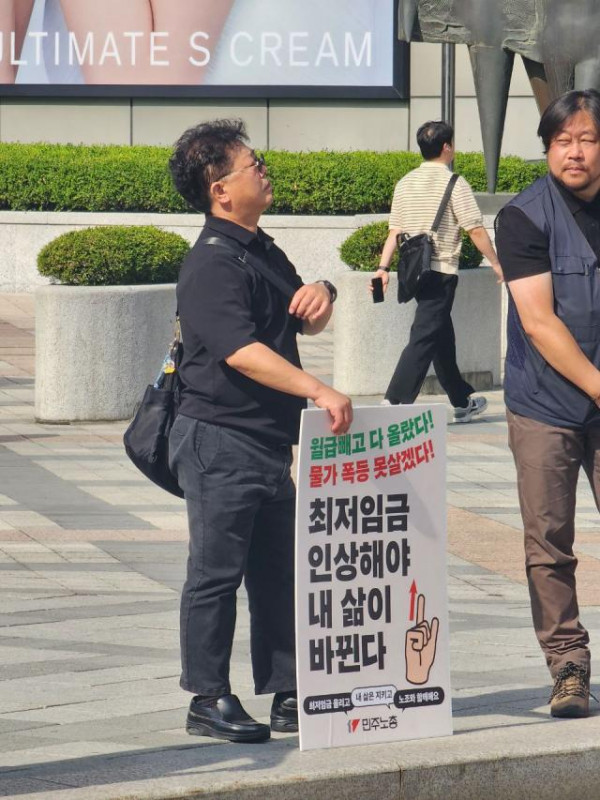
<point x="431" y="339"/>
<point x="241" y="505"/>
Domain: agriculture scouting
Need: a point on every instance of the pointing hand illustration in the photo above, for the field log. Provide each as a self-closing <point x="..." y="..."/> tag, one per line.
<point x="421" y="641"/>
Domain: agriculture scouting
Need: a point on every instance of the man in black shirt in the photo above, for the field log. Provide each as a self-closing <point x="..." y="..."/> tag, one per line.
<point x="548" y="241"/>
<point x="241" y="305"/>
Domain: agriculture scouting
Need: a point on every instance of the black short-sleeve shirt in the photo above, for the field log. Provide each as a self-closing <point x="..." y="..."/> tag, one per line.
<point x="224" y="305"/>
<point x="523" y="249"/>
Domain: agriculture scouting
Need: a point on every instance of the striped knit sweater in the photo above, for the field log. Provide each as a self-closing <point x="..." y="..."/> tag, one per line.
<point x="417" y="197"/>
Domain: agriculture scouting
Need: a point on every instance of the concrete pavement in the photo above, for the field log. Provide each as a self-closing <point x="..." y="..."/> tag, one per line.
<point x="92" y="558"/>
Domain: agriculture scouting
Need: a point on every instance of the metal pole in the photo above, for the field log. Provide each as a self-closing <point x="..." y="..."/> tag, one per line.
<point x="448" y="83"/>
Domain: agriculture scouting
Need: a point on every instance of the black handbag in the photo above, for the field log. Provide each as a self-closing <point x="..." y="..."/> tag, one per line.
<point x="146" y="439"/>
<point x="415" y="252"/>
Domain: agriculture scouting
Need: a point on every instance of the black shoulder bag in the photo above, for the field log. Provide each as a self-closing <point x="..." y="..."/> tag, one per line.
<point x="415" y="252"/>
<point x="146" y="439"/>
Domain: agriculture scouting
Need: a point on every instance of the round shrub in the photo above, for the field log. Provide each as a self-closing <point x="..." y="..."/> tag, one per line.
<point x="113" y="255"/>
<point x="362" y="249"/>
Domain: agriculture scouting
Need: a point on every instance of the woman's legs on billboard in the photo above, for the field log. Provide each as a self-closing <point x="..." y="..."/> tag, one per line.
<point x="14" y="19"/>
<point x="122" y="59"/>
<point x="203" y="20"/>
<point x="131" y="24"/>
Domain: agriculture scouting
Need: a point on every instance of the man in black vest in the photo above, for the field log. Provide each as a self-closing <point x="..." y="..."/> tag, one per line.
<point x="548" y="240"/>
<point x="241" y="306"/>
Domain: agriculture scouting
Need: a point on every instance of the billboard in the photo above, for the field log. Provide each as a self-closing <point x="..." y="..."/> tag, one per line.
<point x="202" y="48"/>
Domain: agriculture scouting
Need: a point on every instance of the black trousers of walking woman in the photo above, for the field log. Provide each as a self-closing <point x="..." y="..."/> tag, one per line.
<point x="431" y="339"/>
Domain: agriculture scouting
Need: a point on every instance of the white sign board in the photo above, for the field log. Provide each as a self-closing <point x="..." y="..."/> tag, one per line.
<point x="371" y="601"/>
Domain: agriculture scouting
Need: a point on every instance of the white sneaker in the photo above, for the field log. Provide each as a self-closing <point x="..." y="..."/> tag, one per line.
<point x="477" y="405"/>
<point x="385" y="402"/>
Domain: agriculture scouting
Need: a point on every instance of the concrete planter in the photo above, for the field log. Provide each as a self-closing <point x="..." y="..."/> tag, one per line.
<point x="368" y="337"/>
<point x="310" y="242"/>
<point x="97" y="347"/>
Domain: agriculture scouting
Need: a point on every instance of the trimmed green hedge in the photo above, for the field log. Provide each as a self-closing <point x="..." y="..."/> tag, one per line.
<point x="361" y="250"/>
<point x="45" y="177"/>
<point x="77" y="178"/>
<point x="114" y="255"/>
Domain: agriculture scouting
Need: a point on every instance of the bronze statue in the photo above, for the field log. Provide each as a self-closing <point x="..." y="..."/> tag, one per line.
<point x="557" y="40"/>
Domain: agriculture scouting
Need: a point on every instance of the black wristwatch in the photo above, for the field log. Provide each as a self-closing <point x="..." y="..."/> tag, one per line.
<point x="331" y="289"/>
<point x="383" y="269"/>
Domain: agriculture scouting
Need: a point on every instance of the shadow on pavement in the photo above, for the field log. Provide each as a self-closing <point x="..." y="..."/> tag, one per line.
<point x="530" y="703"/>
<point x="206" y="758"/>
<point x="511" y="702"/>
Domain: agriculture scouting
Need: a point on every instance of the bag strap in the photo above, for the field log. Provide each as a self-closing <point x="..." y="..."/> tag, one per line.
<point x="444" y="203"/>
<point x="280" y="283"/>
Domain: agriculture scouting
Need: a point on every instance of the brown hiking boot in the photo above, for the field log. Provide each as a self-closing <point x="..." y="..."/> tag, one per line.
<point x="571" y="693"/>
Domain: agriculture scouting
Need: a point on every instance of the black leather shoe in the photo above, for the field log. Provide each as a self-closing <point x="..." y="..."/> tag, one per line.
<point x="284" y="713"/>
<point x="225" y="720"/>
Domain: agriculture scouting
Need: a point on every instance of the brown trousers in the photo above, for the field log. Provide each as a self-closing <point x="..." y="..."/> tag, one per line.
<point x="548" y="460"/>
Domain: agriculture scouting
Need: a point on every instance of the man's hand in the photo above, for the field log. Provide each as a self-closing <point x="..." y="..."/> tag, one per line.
<point x="385" y="279"/>
<point x="480" y="238"/>
<point x="311" y="302"/>
<point x="339" y="407"/>
<point x="265" y="366"/>
<point x="495" y="265"/>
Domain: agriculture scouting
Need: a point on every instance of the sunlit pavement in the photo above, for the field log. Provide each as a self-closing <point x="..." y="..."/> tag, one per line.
<point x="92" y="558"/>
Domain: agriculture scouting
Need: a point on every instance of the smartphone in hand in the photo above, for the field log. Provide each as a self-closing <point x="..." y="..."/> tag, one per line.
<point x="377" y="284"/>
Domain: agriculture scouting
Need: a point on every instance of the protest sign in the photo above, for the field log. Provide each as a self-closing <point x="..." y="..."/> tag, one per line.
<point x="371" y="601"/>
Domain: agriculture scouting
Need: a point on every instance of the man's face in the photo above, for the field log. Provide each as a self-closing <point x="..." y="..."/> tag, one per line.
<point x="574" y="156"/>
<point x="246" y="182"/>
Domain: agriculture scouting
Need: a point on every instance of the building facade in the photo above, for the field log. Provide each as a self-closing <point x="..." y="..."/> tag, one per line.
<point x="283" y="124"/>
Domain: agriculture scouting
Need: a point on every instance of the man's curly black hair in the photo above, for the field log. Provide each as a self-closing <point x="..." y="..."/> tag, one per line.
<point x="202" y="155"/>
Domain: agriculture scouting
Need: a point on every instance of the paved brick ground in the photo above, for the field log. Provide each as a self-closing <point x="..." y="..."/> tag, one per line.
<point x="91" y="562"/>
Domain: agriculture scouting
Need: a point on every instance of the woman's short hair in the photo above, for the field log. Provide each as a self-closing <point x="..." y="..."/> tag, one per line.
<point x="432" y="136"/>
<point x="560" y="111"/>
<point x="203" y="155"/>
